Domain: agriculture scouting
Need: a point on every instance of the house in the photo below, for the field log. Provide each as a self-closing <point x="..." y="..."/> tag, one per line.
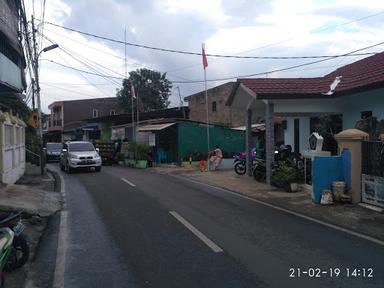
<point x="68" y="116"/>
<point x="219" y="113"/>
<point x="12" y="84"/>
<point x="222" y="113"/>
<point x="119" y="126"/>
<point x="357" y="94"/>
<point x="353" y="91"/>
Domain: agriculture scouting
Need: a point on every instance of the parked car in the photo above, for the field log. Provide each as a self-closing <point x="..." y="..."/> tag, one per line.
<point x="79" y="154"/>
<point x="52" y="151"/>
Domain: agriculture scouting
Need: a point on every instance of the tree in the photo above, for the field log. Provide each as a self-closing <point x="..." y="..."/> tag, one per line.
<point x="152" y="88"/>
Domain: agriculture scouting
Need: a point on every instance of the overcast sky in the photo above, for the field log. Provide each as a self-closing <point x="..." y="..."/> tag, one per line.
<point x="240" y="27"/>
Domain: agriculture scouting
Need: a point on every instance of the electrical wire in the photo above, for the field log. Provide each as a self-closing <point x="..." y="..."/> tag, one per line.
<point x="198" y="53"/>
<point x="84" y="44"/>
<point x="84" y="60"/>
<point x="237" y="76"/>
<point x="79" y="70"/>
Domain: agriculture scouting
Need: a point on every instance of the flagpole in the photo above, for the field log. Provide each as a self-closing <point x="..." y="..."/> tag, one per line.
<point x="137" y="111"/>
<point x="206" y="102"/>
<point x="126" y="77"/>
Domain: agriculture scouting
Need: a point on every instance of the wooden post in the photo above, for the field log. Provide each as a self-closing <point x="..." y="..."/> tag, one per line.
<point x="248" y="141"/>
<point x="270" y="140"/>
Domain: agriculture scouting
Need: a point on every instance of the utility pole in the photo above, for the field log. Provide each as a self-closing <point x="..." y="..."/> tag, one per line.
<point x="181" y="102"/>
<point x="36" y="69"/>
<point x="35" y="63"/>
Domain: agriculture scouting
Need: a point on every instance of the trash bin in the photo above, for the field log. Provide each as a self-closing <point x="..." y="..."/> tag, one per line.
<point x="338" y="188"/>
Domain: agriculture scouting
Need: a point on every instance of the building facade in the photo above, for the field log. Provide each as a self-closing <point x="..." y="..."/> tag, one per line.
<point x="12" y="62"/>
<point x="12" y="84"/>
<point x="219" y="113"/>
<point x="68" y="116"/>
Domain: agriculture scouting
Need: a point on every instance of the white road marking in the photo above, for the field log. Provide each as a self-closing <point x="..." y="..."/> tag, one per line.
<point x="197" y="233"/>
<point x="58" y="278"/>
<point x="345" y="230"/>
<point x="128" y="182"/>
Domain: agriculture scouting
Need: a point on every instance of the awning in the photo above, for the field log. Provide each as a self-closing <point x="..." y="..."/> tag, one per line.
<point x="255" y="127"/>
<point x="155" y="127"/>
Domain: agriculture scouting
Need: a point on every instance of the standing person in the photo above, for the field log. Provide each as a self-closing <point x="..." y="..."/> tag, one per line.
<point x="217" y="158"/>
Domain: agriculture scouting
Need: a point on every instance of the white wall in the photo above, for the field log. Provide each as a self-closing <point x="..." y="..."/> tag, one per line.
<point x="367" y="101"/>
<point x="12" y="148"/>
<point x="303" y="106"/>
<point x="304" y="125"/>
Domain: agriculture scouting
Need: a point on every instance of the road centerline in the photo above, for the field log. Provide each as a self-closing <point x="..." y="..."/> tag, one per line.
<point x="128" y="182"/>
<point x="197" y="233"/>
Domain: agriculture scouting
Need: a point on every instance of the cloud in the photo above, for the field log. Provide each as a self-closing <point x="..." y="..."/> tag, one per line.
<point x="243" y="27"/>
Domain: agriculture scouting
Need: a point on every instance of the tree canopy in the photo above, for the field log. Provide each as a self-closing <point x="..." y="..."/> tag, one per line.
<point x="152" y="88"/>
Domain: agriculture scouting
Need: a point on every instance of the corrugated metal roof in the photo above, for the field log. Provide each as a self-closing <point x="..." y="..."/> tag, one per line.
<point x="155" y="127"/>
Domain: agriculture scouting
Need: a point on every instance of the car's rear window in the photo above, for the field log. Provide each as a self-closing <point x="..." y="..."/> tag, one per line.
<point x="80" y="147"/>
<point x="54" y="146"/>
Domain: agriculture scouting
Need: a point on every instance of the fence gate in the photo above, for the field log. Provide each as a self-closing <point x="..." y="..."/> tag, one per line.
<point x="372" y="173"/>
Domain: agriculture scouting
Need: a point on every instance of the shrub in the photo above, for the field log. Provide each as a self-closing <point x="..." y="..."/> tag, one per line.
<point x="284" y="175"/>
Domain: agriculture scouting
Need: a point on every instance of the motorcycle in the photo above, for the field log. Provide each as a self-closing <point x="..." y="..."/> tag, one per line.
<point x="240" y="161"/>
<point x="282" y="154"/>
<point x="20" y="251"/>
<point x="239" y="164"/>
<point x="6" y="250"/>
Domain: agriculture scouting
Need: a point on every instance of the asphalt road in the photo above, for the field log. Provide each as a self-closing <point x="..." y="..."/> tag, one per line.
<point x="125" y="229"/>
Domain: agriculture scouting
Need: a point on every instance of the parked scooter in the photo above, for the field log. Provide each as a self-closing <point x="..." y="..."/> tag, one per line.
<point x="282" y="154"/>
<point x="240" y="161"/>
<point x="239" y="164"/>
<point x="20" y="253"/>
<point x="6" y="250"/>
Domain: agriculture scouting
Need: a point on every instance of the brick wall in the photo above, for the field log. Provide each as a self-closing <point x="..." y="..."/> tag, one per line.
<point x="224" y="115"/>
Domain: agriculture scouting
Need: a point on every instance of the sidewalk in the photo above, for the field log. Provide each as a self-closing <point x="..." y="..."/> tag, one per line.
<point x="35" y="195"/>
<point x="348" y="216"/>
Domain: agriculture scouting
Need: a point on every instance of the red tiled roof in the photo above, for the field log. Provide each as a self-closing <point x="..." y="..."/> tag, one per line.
<point x="362" y="74"/>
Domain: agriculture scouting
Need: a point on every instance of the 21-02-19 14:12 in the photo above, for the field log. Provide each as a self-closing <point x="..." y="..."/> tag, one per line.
<point x="331" y="272"/>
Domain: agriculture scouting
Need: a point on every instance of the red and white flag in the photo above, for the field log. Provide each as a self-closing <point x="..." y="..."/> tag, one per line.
<point x="205" y="61"/>
<point x="133" y="94"/>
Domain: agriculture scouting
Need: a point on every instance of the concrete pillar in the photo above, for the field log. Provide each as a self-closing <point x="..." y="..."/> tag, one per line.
<point x="351" y="139"/>
<point x="269" y="139"/>
<point x="248" y="141"/>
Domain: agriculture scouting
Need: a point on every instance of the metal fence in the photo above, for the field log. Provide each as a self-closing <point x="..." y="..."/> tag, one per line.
<point x="372" y="158"/>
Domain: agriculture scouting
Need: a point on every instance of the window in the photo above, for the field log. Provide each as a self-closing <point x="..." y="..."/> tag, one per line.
<point x="8" y="133"/>
<point x="366" y="114"/>
<point x="112" y="112"/>
<point x="214" y="108"/>
<point x="81" y="147"/>
<point x="95" y="113"/>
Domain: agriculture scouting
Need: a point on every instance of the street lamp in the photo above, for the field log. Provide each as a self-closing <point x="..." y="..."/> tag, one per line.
<point x="51" y="47"/>
<point x="40" y="132"/>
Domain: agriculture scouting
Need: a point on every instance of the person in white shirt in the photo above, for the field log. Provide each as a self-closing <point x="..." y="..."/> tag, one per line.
<point x="216" y="159"/>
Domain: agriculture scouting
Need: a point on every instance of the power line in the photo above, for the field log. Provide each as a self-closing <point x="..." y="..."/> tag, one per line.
<point x="79" y="71"/>
<point x="198" y="53"/>
<point x="84" y="61"/>
<point x="72" y="91"/>
<point x="233" y="77"/>
<point x="82" y="71"/>
<point x="78" y="84"/>
<point x="280" y="70"/>
<point x="84" y="44"/>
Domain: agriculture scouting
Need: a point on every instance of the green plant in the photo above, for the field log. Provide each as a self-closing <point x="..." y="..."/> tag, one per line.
<point x="285" y="175"/>
<point x="138" y="149"/>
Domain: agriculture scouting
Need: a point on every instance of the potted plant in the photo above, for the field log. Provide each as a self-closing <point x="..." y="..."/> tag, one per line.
<point x="286" y="177"/>
<point x="142" y="155"/>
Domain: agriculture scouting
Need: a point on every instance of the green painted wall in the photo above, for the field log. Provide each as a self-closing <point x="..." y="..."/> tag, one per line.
<point x="192" y="138"/>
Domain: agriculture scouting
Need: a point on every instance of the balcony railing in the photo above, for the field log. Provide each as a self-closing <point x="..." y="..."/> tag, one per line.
<point x="56" y="122"/>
